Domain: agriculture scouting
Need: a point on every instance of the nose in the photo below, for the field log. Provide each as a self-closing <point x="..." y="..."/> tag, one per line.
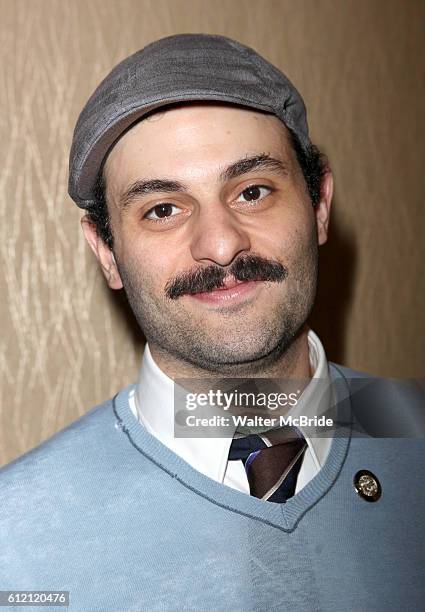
<point x="218" y="237"/>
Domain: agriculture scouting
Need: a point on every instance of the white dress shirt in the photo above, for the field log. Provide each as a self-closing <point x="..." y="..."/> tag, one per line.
<point x="152" y="403"/>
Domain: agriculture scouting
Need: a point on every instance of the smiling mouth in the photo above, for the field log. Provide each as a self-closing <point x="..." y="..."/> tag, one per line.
<point x="231" y="292"/>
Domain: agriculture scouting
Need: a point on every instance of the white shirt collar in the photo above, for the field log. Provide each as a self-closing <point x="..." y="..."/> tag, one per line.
<point x="152" y="403"/>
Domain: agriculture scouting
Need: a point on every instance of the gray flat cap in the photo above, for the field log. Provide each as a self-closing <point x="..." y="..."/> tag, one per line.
<point x="185" y="67"/>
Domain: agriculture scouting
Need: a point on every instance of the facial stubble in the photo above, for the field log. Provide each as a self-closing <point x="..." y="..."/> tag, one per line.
<point x="239" y="340"/>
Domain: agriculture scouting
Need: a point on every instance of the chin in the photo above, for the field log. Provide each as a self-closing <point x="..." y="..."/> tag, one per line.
<point x="233" y="351"/>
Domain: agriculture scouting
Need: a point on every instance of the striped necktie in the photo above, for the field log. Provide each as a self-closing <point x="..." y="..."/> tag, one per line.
<point x="272" y="461"/>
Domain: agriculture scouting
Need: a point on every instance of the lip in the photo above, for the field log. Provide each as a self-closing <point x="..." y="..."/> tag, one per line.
<point x="231" y="293"/>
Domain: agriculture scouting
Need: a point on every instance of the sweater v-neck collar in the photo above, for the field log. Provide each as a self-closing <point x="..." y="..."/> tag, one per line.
<point x="283" y="516"/>
<point x="154" y="404"/>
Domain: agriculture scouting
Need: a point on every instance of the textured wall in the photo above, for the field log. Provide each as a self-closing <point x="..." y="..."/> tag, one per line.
<point x="66" y="342"/>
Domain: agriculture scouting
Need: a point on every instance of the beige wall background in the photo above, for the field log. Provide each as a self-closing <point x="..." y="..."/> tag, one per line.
<point x="66" y="342"/>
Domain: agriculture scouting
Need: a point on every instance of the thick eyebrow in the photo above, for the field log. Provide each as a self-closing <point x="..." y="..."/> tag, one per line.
<point x="250" y="164"/>
<point x="141" y="187"/>
<point x="237" y="168"/>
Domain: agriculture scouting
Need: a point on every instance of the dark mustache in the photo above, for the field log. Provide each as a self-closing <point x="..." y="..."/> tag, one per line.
<point x="245" y="268"/>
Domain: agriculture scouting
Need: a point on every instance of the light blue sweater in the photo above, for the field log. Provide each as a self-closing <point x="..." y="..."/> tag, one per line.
<point x="105" y="511"/>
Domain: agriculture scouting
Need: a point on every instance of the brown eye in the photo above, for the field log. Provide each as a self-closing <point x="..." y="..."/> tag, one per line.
<point x="162" y="211"/>
<point x="254" y="193"/>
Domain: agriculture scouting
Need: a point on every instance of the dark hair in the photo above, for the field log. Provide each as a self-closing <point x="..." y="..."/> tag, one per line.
<point x="313" y="164"/>
<point x="98" y="211"/>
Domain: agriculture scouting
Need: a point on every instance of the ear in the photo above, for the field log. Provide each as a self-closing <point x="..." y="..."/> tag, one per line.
<point x="103" y="253"/>
<point x="323" y="207"/>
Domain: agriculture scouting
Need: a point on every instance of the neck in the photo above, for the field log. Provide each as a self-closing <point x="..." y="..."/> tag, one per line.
<point x="293" y="363"/>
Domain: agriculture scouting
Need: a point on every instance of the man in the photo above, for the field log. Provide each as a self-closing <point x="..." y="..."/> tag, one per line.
<point x="206" y="202"/>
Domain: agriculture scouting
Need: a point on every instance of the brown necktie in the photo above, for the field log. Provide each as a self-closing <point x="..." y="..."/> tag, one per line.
<point x="272" y="461"/>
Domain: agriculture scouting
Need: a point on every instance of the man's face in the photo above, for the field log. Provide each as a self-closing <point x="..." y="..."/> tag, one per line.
<point x="196" y="193"/>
